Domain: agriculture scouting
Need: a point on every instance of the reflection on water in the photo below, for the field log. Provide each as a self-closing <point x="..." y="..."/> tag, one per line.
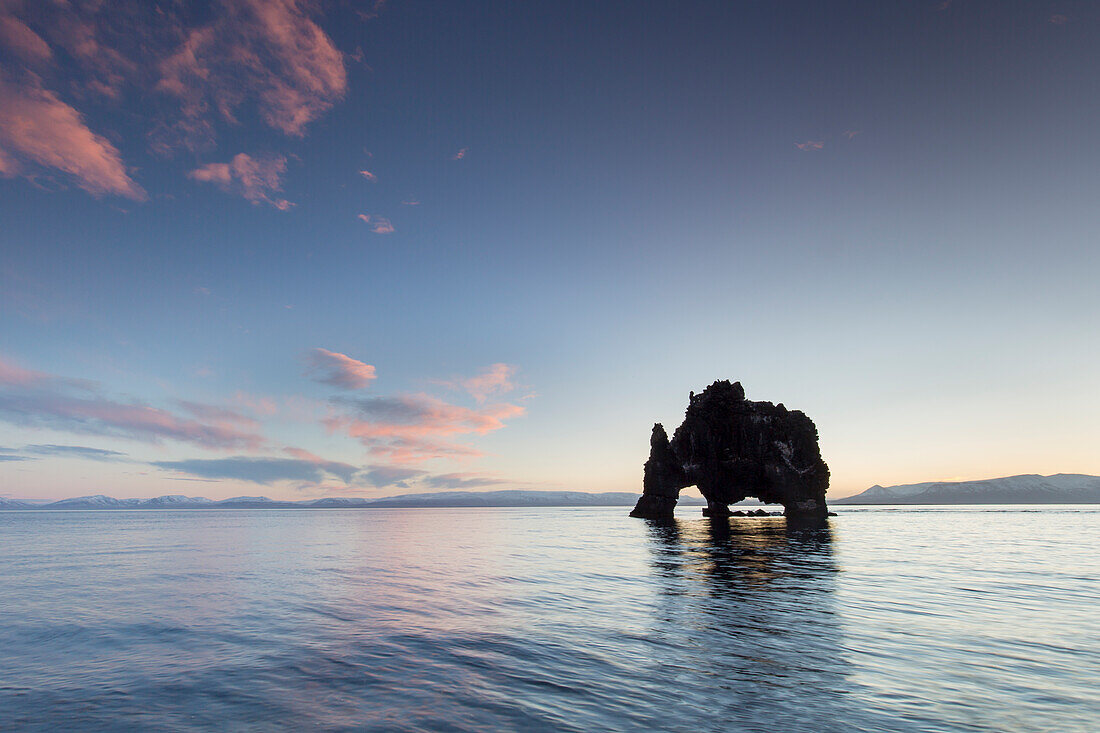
<point x="748" y="608"/>
<point x="547" y="619"/>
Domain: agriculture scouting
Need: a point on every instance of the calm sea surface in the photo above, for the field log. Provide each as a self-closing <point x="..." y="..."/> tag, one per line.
<point x="908" y="619"/>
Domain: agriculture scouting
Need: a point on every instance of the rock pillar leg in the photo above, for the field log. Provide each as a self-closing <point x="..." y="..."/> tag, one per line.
<point x="663" y="479"/>
<point x="716" y="509"/>
<point x="654" y="506"/>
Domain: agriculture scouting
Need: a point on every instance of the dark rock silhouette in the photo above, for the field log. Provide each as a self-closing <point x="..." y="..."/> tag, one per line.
<point x="732" y="449"/>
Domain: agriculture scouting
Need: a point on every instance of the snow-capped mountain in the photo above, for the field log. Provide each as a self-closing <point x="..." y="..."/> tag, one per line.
<point x="14" y="504"/>
<point x="1061" y="488"/>
<point x="176" y="500"/>
<point x="510" y="498"/>
<point x="99" y="501"/>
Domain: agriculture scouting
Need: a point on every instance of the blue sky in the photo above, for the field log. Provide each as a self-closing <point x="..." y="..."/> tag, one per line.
<point x="882" y="214"/>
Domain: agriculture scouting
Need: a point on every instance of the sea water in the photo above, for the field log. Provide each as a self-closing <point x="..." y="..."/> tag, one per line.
<point x="895" y="619"/>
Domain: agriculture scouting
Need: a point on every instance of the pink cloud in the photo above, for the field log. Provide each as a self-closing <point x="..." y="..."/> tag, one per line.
<point x="493" y="380"/>
<point x="851" y="133"/>
<point x="460" y="154"/>
<point x="267" y="50"/>
<point x="252" y="58"/>
<point x="38" y="128"/>
<point x="339" y="370"/>
<point x="369" y="176"/>
<point x="17" y="37"/>
<point x="13" y="374"/>
<point x="409" y="428"/>
<point x="381" y="225"/>
<point x="410" y="202"/>
<point x="378" y="224"/>
<point x="258" y="405"/>
<point x="810" y="145"/>
<point x="303" y="455"/>
<point x="256" y="179"/>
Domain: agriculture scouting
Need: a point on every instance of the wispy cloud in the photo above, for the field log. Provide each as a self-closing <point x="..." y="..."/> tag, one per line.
<point x="380" y="476"/>
<point x="74" y="451"/>
<point x="460" y="154"/>
<point x="339" y="370"/>
<point x="851" y="133"/>
<point x="1059" y="19"/>
<point x="10" y="455"/>
<point x="260" y="470"/>
<point x="14" y="375"/>
<point x="217" y="413"/>
<point x="39" y="400"/>
<point x="810" y="145"/>
<point x="369" y="176"/>
<point x="256" y="179"/>
<point x="38" y="130"/>
<point x="493" y="380"/>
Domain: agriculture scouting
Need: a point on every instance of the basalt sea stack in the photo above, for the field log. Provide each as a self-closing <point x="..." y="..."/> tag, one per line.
<point x="732" y="449"/>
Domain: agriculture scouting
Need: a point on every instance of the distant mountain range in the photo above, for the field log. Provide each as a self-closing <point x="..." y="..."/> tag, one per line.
<point x="1061" y="488"/>
<point x="513" y="498"/>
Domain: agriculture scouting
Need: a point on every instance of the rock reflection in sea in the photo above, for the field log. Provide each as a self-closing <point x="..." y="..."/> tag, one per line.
<point x="749" y="623"/>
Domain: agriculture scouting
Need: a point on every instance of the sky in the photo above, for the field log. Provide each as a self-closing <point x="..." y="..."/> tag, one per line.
<point x="300" y="248"/>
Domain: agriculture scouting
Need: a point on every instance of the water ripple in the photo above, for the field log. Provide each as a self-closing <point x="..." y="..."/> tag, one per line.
<point x="914" y="619"/>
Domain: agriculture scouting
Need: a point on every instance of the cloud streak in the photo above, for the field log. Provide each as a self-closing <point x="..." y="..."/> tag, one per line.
<point x="339" y="370"/>
<point x="414" y="427"/>
<point x="74" y="451"/>
<point x="260" y="470"/>
<point x="39" y="400"/>
<point x="380" y="476"/>
<point x="461" y="481"/>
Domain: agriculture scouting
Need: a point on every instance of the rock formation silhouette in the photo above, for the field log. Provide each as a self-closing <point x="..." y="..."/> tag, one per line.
<point x="732" y="449"/>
